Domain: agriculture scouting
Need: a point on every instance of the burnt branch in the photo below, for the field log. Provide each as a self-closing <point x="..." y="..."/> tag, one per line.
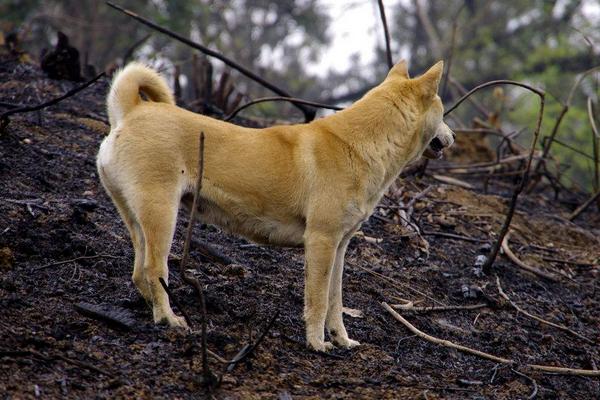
<point x="309" y="113"/>
<point x="388" y="49"/>
<point x="4" y="117"/>
<point x="292" y="100"/>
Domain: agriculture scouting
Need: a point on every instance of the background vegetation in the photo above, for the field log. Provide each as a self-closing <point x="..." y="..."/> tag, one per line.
<point x="543" y="42"/>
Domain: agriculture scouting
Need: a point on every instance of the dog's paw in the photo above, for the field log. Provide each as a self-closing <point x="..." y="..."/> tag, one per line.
<point x="171" y="320"/>
<point x="321" y="346"/>
<point x="178" y="322"/>
<point x="346" y="343"/>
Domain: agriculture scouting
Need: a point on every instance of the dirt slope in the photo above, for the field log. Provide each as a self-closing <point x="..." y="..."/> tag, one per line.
<point x="52" y="210"/>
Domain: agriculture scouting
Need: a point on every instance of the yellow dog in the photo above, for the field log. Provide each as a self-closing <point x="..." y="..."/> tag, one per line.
<point x="308" y="184"/>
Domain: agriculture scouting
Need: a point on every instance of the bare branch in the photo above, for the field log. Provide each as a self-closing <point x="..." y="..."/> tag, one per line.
<point x="543" y="321"/>
<point x="487" y="356"/>
<point x="4" y="120"/>
<point x="292" y="100"/>
<point x="388" y="49"/>
<point x="309" y="113"/>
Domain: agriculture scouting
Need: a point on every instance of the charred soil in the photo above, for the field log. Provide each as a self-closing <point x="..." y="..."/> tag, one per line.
<point x="62" y="243"/>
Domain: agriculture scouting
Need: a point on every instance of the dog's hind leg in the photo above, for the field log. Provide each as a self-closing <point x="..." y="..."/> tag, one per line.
<point x="320" y="249"/>
<point x="156" y="212"/>
<point x="137" y="238"/>
<point x="334" y="321"/>
<point x="135" y="233"/>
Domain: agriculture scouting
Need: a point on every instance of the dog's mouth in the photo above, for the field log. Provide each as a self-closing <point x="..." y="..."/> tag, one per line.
<point x="435" y="150"/>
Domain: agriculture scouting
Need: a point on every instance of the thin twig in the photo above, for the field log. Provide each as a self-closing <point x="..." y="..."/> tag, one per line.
<point x="543" y="321"/>
<point x="487" y="356"/>
<point x="530" y="379"/>
<point x="309" y="113"/>
<point x="4" y="117"/>
<point x="454" y="236"/>
<point x="134" y="47"/>
<point x="247" y="350"/>
<point x="292" y="100"/>
<point x="523" y="265"/>
<point x="186" y="316"/>
<point x="570" y="262"/>
<point x="411" y="307"/>
<point x="595" y="137"/>
<point x="388" y="49"/>
<point x="450" y="56"/>
<point x="51" y="357"/>
<point x="585" y="205"/>
<point x="396" y="283"/>
<point x="53" y="264"/>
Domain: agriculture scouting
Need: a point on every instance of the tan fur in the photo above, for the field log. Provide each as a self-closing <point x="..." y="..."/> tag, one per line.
<point x="309" y="184"/>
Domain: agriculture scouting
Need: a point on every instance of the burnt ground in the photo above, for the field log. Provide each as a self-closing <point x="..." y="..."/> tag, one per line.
<point x="62" y="243"/>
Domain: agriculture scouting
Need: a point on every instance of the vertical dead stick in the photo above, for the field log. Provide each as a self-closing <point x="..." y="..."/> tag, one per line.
<point x="543" y="321"/>
<point x="388" y="49"/>
<point x="209" y="378"/>
<point x="595" y="137"/>
<point x="487" y="356"/>
<point x="520" y="186"/>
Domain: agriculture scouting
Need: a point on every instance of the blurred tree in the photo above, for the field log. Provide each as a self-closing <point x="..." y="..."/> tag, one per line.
<point x="274" y="38"/>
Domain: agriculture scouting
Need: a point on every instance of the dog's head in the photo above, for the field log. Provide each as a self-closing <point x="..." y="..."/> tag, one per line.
<point x="435" y="135"/>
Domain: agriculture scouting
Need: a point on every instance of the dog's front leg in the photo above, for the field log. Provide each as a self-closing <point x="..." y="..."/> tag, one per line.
<point x="334" y="321"/>
<point x="320" y="249"/>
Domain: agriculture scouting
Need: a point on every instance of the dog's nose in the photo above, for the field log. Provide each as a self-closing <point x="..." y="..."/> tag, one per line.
<point x="436" y="144"/>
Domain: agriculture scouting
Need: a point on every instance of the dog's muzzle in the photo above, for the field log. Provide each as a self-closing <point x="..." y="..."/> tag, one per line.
<point x="443" y="139"/>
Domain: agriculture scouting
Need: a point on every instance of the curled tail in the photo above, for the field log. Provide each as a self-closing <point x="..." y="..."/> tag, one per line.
<point x="126" y="86"/>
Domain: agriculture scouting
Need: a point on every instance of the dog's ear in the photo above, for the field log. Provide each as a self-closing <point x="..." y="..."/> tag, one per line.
<point x="400" y="70"/>
<point x="430" y="81"/>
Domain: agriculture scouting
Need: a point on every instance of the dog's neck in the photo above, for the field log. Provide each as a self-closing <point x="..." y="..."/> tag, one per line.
<point x="383" y="129"/>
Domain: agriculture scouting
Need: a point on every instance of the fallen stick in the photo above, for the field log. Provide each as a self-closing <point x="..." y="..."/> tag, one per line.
<point x="452" y="181"/>
<point x="487" y="356"/>
<point x="410" y="307"/>
<point x="523" y="265"/>
<point x="454" y="236"/>
<point x="114" y="316"/>
<point x="53" y="264"/>
<point x="211" y="253"/>
<point x="4" y="120"/>
<point x="584" y="206"/>
<point x="543" y="321"/>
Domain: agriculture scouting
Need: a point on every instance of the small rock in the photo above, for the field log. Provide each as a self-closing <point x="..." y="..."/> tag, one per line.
<point x="470" y="292"/>
<point x="485" y="248"/>
<point x="7" y="258"/>
<point x="480" y="260"/>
